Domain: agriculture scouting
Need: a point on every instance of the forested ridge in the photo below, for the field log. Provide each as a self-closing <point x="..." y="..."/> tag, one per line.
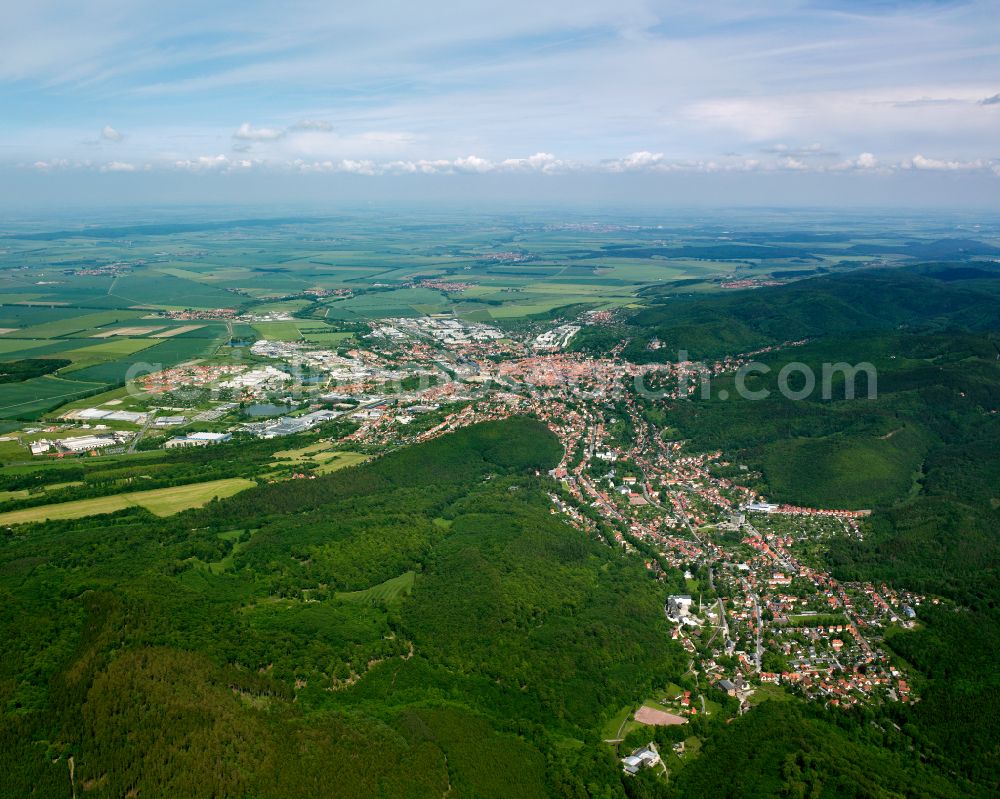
<point x="925" y="297"/>
<point x="214" y="653"/>
<point x="922" y="454"/>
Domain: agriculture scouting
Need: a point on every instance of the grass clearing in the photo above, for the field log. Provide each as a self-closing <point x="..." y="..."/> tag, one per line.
<point x="763" y="693"/>
<point x="323" y="453"/>
<point x="341" y="460"/>
<point x="226" y="563"/>
<point x="611" y="728"/>
<point x="307" y="453"/>
<point x="161" y="501"/>
<point x="384" y="593"/>
<point x="329" y="339"/>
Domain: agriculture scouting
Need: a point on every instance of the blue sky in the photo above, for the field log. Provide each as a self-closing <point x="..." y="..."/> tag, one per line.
<point x="838" y="93"/>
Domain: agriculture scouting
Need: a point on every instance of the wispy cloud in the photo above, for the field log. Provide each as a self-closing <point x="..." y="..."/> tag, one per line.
<point x="312" y="124"/>
<point x="807" y="151"/>
<point x="108" y="133"/>
<point x="246" y="132"/>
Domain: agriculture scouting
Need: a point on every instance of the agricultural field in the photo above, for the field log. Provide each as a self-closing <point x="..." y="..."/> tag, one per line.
<point x="278" y="331"/>
<point x="86" y="321"/>
<point x="110" y="350"/>
<point x="38" y="395"/>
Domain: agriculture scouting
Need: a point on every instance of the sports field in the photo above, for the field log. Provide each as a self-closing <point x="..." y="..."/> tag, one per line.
<point x="657" y="718"/>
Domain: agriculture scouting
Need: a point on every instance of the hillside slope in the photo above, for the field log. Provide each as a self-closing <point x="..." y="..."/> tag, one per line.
<point x="260" y="677"/>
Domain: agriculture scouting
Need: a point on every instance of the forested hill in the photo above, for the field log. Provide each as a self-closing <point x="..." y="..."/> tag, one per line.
<point x="922" y="453"/>
<point x="926" y="297"/>
<point x="517" y="446"/>
<point x="418" y="626"/>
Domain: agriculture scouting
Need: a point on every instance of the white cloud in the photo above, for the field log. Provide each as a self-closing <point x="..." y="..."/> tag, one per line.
<point x="246" y="132"/>
<point x="108" y="133"/>
<point x="55" y="163"/>
<point x="357" y="167"/>
<point x="470" y="164"/>
<point x="920" y="162"/>
<point x="852" y="119"/>
<point x="539" y="162"/>
<point x="547" y="163"/>
<point x="204" y="162"/>
<point x="866" y="161"/>
<point x="792" y="163"/>
<point x="642" y="159"/>
<point x="473" y="163"/>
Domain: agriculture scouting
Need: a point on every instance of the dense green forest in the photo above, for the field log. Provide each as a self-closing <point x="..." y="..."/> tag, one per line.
<point x="26" y="368"/>
<point x="215" y="653"/>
